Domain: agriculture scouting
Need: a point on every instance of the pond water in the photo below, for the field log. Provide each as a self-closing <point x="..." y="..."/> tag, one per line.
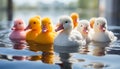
<point x="92" y="56"/>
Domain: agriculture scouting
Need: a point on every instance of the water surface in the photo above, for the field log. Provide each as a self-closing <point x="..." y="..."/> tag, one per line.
<point x="92" y="56"/>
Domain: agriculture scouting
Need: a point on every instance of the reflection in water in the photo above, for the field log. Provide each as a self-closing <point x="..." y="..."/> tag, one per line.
<point x="46" y="57"/>
<point x="47" y="52"/>
<point x="96" y="49"/>
<point x="96" y="65"/>
<point x="5" y="57"/>
<point x="20" y="58"/>
<point x="66" y="64"/>
<point x="84" y="49"/>
<point x="41" y="47"/>
<point x="114" y="49"/>
<point x="19" y="46"/>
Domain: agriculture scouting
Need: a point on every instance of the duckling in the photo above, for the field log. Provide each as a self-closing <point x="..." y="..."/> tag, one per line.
<point x="75" y="18"/>
<point x="18" y="34"/>
<point x="34" y="28"/>
<point x="84" y="28"/>
<point x="47" y="34"/>
<point x="92" y="21"/>
<point x="101" y="34"/>
<point x="67" y="37"/>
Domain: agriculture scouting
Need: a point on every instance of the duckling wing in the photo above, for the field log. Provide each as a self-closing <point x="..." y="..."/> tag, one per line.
<point x="112" y="36"/>
<point x="77" y="38"/>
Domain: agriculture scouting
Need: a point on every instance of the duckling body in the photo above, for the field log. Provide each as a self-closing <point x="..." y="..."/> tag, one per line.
<point x="31" y="35"/>
<point x="47" y="34"/>
<point x="45" y="38"/>
<point x="101" y="34"/>
<point x="18" y="34"/>
<point x="102" y="37"/>
<point x="71" y="39"/>
<point x="34" y="28"/>
<point x="68" y="39"/>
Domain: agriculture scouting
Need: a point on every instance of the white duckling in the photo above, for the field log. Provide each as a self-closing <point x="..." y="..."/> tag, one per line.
<point x="84" y="29"/>
<point x="67" y="39"/>
<point x="101" y="34"/>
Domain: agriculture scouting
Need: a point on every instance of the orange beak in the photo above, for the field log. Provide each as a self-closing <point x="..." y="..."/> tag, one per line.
<point x="44" y="29"/>
<point x="102" y="28"/>
<point x="14" y="27"/>
<point x="85" y="30"/>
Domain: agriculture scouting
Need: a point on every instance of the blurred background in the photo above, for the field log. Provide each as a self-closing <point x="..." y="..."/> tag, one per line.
<point x="12" y="9"/>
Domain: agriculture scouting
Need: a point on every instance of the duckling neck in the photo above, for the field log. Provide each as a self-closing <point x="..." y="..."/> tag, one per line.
<point x="35" y="30"/>
<point x="84" y="35"/>
<point x="67" y="31"/>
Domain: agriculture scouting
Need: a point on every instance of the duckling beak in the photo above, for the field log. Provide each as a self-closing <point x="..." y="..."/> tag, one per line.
<point x="14" y="27"/>
<point x="85" y="30"/>
<point x="28" y="27"/>
<point x="102" y="28"/>
<point x="44" y="28"/>
<point x="59" y="27"/>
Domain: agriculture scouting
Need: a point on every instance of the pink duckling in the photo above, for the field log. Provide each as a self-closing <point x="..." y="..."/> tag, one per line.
<point x="18" y="34"/>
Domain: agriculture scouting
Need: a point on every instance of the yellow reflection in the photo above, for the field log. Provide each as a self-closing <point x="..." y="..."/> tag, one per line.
<point x="47" y="55"/>
<point x="35" y="57"/>
<point x="40" y="47"/>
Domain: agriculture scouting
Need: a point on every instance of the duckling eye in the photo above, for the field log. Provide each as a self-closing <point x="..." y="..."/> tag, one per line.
<point x="49" y="23"/>
<point x="97" y="23"/>
<point x="66" y="21"/>
<point x="20" y="23"/>
<point x="34" y="22"/>
<point x="80" y="25"/>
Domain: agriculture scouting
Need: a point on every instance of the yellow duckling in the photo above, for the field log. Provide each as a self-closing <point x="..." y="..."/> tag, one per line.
<point x="47" y="34"/>
<point x="75" y="18"/>
<point x="35" y="29"/>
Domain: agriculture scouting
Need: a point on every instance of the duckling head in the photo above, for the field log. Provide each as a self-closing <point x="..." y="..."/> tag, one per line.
<point x="100" y="24"/>
<point x="34" y="23"/>
<point x="83" y="26"/>
<point x="18" y="25"/>
<point x="65" y="24"/>
<point x="75" y="18"/>
<point x="46" y="25"/>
